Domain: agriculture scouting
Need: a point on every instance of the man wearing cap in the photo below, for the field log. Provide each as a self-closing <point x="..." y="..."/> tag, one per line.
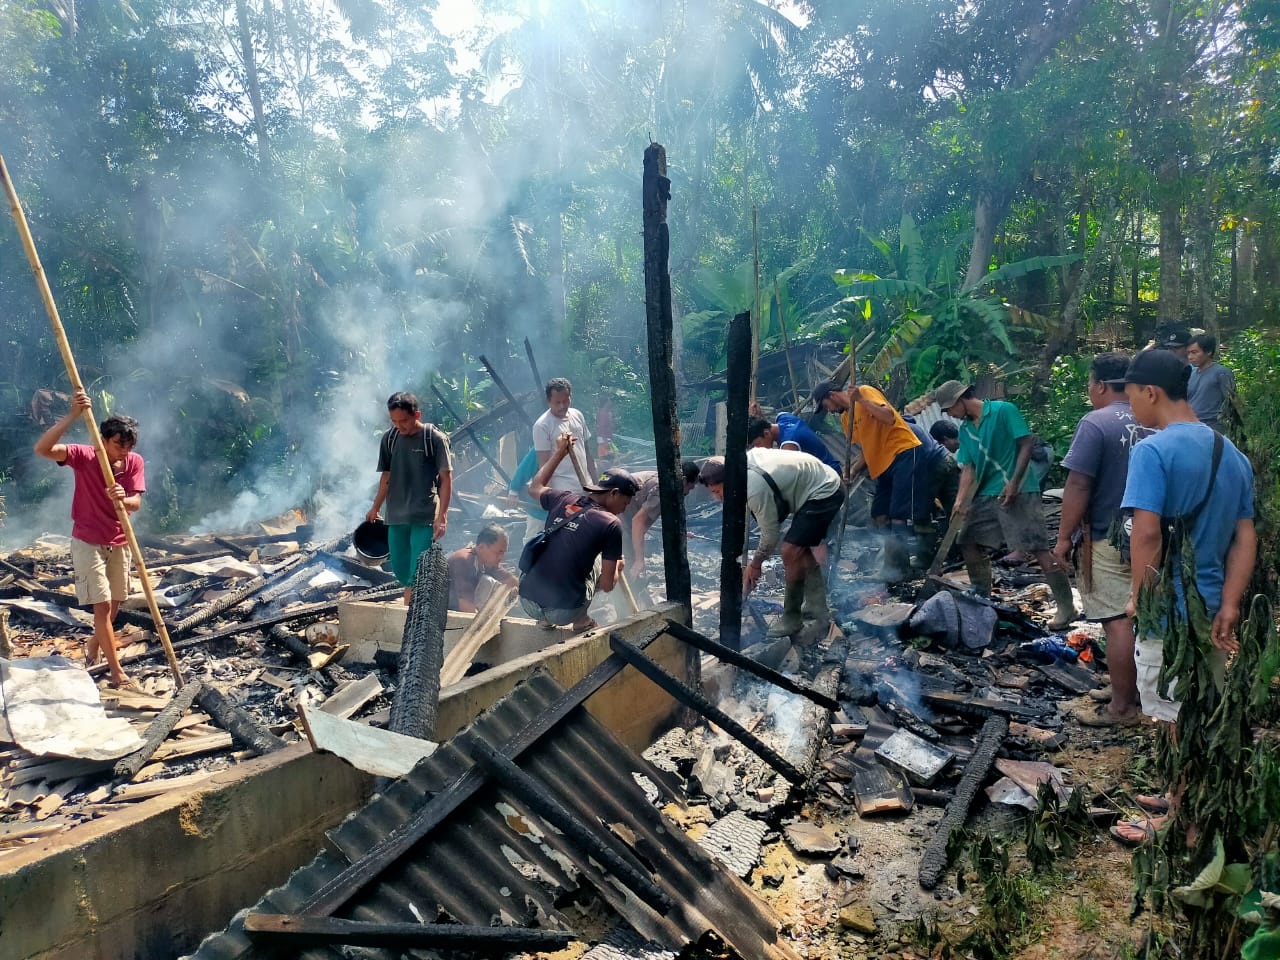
<point x="583" y="549"/>
<point x="782" y="483"/>
<point x="1211" y="383"/>
<point x="995" y="452"/>
<point x="1171" y="475"/>
<point x="789" y="432"/>
<point x="645" y="509"/>
<point x="894" y="456"/>
<point x="1173" y="339"/>
<point x="1098" y="462"/>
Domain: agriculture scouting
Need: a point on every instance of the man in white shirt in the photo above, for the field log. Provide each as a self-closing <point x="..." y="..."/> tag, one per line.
<point x="560" y="419"/>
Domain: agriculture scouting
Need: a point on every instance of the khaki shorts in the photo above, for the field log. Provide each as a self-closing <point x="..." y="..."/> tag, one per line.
<point x="102" y="573"/>
<point x="1148" y="655"/>
<point x="1021" y="526"/>
<point x="1111" y="583"/>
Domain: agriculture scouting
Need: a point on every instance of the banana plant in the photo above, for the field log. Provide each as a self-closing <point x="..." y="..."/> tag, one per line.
<point x="934" y="322"/>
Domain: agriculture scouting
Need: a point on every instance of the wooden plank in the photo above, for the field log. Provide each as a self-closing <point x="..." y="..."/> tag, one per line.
<point x="487" y="622"/>
<point x="351" y="697"/>
<point x="295" y="932"/>
<point x="876" y="788"/>
<point x="177" y="749"/>
<point x="371" y="749"/>
<point x="1049" y="739"/>
<point x="53" y="801"/>
<point x="142" y="791"/>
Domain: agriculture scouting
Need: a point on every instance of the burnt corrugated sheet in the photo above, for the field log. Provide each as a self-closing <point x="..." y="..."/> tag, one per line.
<point x="493" y="862"/>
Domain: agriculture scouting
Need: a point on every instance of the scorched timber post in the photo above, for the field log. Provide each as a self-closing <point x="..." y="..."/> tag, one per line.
<point x="734" y="529"/>
<point x="656" y="191"/>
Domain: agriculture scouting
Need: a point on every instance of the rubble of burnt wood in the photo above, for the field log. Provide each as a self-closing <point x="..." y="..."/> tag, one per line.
<point x="254" y="622"/>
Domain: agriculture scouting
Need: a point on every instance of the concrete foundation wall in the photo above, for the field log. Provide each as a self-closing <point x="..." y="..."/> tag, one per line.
<point x="150" y="881"/>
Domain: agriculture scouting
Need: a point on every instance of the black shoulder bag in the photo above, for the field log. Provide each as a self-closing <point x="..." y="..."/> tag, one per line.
<point x="537" y="544"/>
<point x="1172" y="529"/>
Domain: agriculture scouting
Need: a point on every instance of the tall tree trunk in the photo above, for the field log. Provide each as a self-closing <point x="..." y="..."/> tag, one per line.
<point x="1204" y="236"/>
<point x="251" y="82"/>
<point x="1171" y="242"/>
<point x="988" y="211"/>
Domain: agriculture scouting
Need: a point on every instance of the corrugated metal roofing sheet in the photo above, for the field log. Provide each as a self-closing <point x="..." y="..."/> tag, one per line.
<point x="493" y="861"/>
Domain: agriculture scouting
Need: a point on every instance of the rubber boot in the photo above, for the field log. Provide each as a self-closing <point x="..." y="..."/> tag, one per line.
<point x="921" y="543"/>
<point x="1060" y="584"/>
<point x="980" y="576"/>
<point x="895" y="565"/>
<point x="789" y="624"/>
<point x="815" y="596"/>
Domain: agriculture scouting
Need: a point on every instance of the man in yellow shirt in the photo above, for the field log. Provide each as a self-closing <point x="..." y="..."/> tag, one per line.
<point x="895" y="457"/>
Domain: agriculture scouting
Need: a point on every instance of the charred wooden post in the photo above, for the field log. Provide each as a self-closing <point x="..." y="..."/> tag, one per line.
<point x="417" y="698"/>
<point x="280" y="588"/>
<point x="474" y="437"/>
<point x="6" y="645"/>
<point x="293" y="932"/>
<point x="127" y="768"/>
<point x="501" y="385"/>
<point x="935" y="860"/>
<point x="655" y="192"/>
<point x="696" y="701"/>
<point x="243" y="728"/>
<point x="231" y="598"/>
<point x="533" y="364"/>
<point x="734" y="530"/>
<point x="527" y="789"/>
<point x="728" y="655"/>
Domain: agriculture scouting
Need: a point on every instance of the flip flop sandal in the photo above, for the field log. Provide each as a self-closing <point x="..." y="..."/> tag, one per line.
<point x="1135" y="832"/>
<point x="129" y="685"/>
<point x="1152" y="804"/>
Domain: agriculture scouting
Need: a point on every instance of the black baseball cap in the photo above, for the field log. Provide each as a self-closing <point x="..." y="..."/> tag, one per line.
<point x="822" y="391"/>
<point x="1172" y="337"/>
<point x="1158" y="368"/>
<point x="615" y="478"/>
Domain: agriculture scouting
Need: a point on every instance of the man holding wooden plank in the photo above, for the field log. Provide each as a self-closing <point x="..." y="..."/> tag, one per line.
<point x="99" y="549"/>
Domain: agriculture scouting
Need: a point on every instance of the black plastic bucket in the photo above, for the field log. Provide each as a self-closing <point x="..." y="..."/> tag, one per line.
<point x="370" y="541"/>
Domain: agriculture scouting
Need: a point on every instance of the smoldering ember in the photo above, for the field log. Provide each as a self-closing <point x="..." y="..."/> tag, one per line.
<point x="750" y="479"/>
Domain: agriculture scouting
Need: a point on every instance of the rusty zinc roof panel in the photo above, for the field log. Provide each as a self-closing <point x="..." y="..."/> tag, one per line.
<point x="494" y="861"/>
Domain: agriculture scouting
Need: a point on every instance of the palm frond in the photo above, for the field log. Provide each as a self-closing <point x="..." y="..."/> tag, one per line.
<point x="902" y="339"/>
<point x="1020" y="268"/>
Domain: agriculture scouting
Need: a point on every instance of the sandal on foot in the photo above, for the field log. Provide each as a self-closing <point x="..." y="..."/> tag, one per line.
<point x="1098" y="715"/>
<point x="1101" y="694"/>
<point x="1137" y="831"/>
<point x="1152" y="804"/>
<point x="128" y="684"/>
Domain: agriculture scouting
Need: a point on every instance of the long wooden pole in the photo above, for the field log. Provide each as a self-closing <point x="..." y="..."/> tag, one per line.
<point x="854" y="347"/>
<point x="104" y="461"/>
<point x="756" y="320"/>
<point x="786" y="344"/>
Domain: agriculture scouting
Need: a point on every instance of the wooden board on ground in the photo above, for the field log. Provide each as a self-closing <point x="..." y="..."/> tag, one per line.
<point x="1049" y="739"/>
<point x="366" y="748"/>
<point x="876" y="788"/>
<point x="153" y="788"/>
<point x="1070" y="676"/>
<point x="350" y="697"/>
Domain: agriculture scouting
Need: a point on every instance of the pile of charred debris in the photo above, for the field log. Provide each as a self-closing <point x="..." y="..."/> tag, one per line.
<point x="253" y="621"/>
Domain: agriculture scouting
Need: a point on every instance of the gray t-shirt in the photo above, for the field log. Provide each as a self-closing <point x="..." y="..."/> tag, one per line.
<point x="646" y="498"/>
<point x="1100" y="450"/>
<point x="414" y="463"/>
<point x="1208" y="390"/>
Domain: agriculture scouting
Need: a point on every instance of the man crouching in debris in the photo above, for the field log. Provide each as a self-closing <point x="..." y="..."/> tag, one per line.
<point x="475" y="570"/>
<point x="995" y="452"/>
<point x="99" y="548"/>
<point x="581" y="547"/>
<point x="413" y="458"/>
<point x="782" y="483"/>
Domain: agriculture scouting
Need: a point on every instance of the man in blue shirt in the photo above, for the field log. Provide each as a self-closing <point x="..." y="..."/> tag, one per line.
<point x="790" y="432"/>
<point x="1211" y="383"/>
<point x="1170" y="473"/>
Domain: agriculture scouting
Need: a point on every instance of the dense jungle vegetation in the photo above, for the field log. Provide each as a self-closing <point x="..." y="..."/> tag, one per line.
<point x="261" y="216"/>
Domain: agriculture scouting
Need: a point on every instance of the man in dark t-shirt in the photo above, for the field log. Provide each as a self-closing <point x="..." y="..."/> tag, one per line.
<point x="583" y="551"/>
<point x="413" y="459"/>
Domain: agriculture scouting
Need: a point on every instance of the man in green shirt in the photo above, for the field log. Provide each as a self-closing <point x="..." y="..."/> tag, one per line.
<point x="995" y="451"/>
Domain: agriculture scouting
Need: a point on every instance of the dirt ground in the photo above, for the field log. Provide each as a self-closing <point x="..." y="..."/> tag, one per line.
<point x="1080" y="908"/>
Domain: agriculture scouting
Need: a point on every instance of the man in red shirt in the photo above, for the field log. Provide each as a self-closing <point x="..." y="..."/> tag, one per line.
<point x="99" y="548"/>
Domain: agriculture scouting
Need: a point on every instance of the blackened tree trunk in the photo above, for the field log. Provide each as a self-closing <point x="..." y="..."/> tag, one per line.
<point x="656" y="191"/>
<point x="734" y="529"/>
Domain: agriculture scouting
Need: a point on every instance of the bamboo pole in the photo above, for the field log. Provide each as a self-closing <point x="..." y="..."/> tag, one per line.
<point x="42" y="282"/>
<point x="786" y="343"/>
<point x="854" y="347"/>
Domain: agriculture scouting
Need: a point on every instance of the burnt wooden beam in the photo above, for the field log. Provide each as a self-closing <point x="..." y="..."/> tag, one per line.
<point x="417" y="696"/>
<point x="501" y="385"/>
<point x="733" y="539"/>
<point x="126" y="768"/>
<point x="728" y="655"/>
<point x="935" y="860"/>
<point x="528" y="790"/>
<point x="305" y="612"/>
<point x="234" y="597"/>
<point x="533" y="364"/>
<point x="243" y="728"/>
<point x="696" y="701"/>
<point x="294" y="931"/>
<point x="475" y="438"/>
<point x="655" y="192"/>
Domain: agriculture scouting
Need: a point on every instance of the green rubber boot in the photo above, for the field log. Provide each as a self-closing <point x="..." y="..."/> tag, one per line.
<point x="789" y="624"/>
<point x="1060" y="584"/>
<point x="895" y="565"/>
<point x="815" y="597"/>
